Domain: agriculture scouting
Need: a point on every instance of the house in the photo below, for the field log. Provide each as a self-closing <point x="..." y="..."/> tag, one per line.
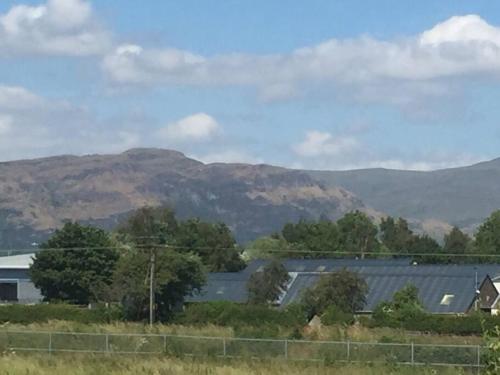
<point x="443" y="289"/>
<point x="15" y="283"/>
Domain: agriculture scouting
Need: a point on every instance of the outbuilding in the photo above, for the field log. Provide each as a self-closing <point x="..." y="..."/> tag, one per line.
<point x="15" y="283"/>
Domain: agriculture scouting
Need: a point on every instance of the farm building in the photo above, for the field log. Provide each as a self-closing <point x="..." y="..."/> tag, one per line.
<point x="443" y="289"/>
<point x="15" y="283"/>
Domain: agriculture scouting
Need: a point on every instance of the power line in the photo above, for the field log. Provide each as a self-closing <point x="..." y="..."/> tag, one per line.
<point x="284" y="251"/>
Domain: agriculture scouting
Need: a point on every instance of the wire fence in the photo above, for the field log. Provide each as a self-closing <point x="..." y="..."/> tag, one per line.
<point x="467" y="356"/>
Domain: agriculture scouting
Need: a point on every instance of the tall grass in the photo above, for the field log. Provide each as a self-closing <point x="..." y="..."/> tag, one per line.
<point x="13" y="364"/>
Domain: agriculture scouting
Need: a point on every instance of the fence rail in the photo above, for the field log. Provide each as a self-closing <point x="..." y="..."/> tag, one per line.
<point x="467" y="356"/>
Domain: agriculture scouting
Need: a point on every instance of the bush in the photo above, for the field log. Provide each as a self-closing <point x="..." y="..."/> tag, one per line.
<point x="27" y="314"/>
<point x="237" y="315"/>
<point x="441" y="324"/>
<point x="334" y="315"/>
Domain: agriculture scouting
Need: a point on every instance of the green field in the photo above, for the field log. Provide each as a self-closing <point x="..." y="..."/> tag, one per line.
<point x="15" y="364"/>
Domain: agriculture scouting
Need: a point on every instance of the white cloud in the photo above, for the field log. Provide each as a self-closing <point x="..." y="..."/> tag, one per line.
<point x="319" y="143"/>
<point x="5" y="124"/>
<point x="58" y="27"/>
<point x="197" y="127"/>
<point x="461" y="46"/>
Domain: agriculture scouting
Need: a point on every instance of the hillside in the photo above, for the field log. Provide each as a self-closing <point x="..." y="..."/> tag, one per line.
<point x="459" y="196"/>
<point x="37" y="196"/>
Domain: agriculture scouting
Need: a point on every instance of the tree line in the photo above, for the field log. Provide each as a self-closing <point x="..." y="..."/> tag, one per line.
<point x="356" y="234"/>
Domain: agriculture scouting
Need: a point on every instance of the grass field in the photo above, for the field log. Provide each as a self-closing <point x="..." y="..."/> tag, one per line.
<point x="14" y="364"/>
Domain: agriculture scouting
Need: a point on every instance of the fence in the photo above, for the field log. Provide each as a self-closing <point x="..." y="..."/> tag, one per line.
<point x="298" y="350"/>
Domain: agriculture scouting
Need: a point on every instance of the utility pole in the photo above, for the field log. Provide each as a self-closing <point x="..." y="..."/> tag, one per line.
<point x="151" y="288"/>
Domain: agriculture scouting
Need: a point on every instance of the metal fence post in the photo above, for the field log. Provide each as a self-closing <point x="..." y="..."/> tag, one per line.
<point x="348" y="350"/>
<point x="165" y="343"/>
<point x="224" y="352"/>
<point x="50" y="343"/>
<point x="286" y="349"/>
<point x="478" y="359"/>
<point x="107" y="342"/>
<point x="412" y="353"/>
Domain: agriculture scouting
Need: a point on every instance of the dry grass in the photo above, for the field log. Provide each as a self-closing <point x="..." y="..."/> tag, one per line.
<point x="98" y="365"/>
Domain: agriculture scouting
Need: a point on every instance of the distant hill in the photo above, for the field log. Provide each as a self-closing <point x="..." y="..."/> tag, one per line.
<point x="458" y="196"/>
<point x="37" y="196"/>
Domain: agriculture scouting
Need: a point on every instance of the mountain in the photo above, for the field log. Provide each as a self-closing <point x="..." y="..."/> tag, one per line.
<point x="37" y="196"/>
<point x="462" y="196"/>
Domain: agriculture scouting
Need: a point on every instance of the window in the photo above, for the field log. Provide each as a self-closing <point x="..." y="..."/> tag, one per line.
<point x="447" y="298"/>
<point x="8" y="291"/>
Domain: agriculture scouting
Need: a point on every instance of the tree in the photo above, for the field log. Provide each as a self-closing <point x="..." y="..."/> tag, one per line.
<point x="176" y="276"/>
<point x="266" y="248"/>
<point x="75" y="265"/>
<point x="358" y="235"/>
<point x="396" y="235"/>
<point x="423" y="245"/>
<point x="149" y="231"/>
<point x="345" y="289"/>
<point x="316" y="239"/>
<point x="457" y="242"/>
<point x="214" y="243"/>
<point x="488" y="237"/>
<point x="405" y="306"/>
<point x="265" y="287"/>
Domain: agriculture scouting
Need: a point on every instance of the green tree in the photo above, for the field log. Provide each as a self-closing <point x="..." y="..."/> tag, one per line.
<point x="312" y="239"/>
<point x="148" y="232"/>
<point x="214" y="243"/>
<point x="358" y="234"/>
<point x="265" y="287"/>
<point x="457" y="242"/>
<point x="396" y="235"/>
<point x="405" y="306"/>
<point x="424" y="245"/>
<point x="488" y="237"/>
<point x="266" y="248"/>
<point x="75" y="265"/>
<point x="344" y="289"/>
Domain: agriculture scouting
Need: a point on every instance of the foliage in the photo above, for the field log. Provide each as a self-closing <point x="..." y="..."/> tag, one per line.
<point x="81" y="270"/>
<point x="457" y="242"/>
<point x="492" y="339"/>
<point x="358" y="235"/>
<point x="236" y="315"/>
<point x="28" y="314"/>
<point x="176" y="274"/>
<point x="214" y="244"/>
<point x="265" y="287"/>
<point x="266" y="248"/>
<point x="404" y="306"/>
<point x="334" y="315"/>
<point x="427" y="245"/>
<point x="319" y="239"/>
<point x="344" y="289"/>
<point x="488" y="236"/>
<point x="396" y="235"/>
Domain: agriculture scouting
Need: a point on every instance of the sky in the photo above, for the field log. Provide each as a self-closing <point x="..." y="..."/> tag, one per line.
<point x="318" y="84"/>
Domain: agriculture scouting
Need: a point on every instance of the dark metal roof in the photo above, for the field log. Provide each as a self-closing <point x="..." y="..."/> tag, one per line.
<point x="384" y="278"/>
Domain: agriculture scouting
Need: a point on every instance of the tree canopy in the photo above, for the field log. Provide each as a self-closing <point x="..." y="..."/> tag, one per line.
<point x="75" y="265"/>
<point x="358" y="234"/>
<point x="265" y="287"/>
<point x="344" y="289"/>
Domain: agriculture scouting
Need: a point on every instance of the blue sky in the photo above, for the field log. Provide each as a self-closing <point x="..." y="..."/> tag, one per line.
<point x="322" y="84"/>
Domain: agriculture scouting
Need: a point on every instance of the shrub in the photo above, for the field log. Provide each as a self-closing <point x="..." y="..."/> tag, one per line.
<point x="27" y="314"/>
<point x="237" y="315"/>
<point x="334" y="315"/>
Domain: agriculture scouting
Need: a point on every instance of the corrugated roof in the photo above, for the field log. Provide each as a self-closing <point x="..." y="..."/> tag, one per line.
<point x="384" y="278"/>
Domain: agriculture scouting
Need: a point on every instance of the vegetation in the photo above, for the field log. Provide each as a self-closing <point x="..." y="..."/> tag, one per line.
<point x="265" y="287"/>
<point x="13" y="364"/>
<point x="77" y="265"/>
<point x="344" y="289"/>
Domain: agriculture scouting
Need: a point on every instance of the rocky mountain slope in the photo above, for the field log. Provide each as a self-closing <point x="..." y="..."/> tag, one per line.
<point x="37" y="196"/>
<point x="458" y="196"/>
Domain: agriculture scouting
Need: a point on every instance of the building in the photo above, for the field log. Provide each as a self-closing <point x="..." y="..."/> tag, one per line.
<point x="15" y="283"/>
<point x="443" y="289"/>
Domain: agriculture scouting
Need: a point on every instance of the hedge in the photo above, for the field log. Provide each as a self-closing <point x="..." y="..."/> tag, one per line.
<point x="40" y="313"/>
<point x="442" y="324"/>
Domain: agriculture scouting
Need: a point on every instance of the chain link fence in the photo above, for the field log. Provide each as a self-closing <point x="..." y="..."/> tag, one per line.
<point x="470" y="356"/>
